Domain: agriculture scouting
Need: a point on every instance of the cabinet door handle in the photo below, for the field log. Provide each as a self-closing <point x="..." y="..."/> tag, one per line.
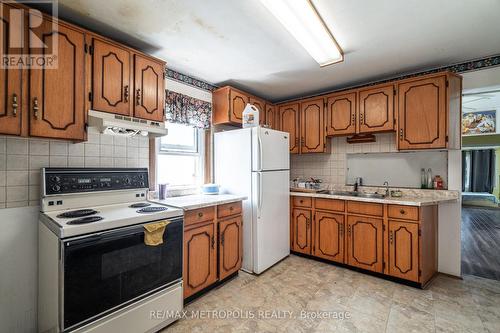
<point x="307" y="223"/>
<point x="349" y="230"/>
<point x="138" y="97"/>
<point x="14" y="105"/>
<point x="213" y="242"/>
<point x="231" y="208"/>
<point x="361" y="118"/>
<point x="402" y="211"/>
<point x="200" y="214"/>
<point x="391" y="237"/>
<point x="125" y="93"/>
<point x="401" y="134"/>
<point x="353" y="121"/>
<point x="222" y="239"/>
<point x="35" y="107"/>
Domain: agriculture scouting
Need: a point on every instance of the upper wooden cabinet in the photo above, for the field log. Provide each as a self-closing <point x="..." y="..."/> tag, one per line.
<point x="376" y="109"/>
<point x="270" y="116"/>
<point x="111" y="78"/>
<point x="11" y="82"/>
<point x="57" y="96"/>
<point x="149" y="88"/>
<point x="429" y="112"/>
<point x="289" y="122"/>
<point x="312" y="126"/>
<point x="341" y="114"/>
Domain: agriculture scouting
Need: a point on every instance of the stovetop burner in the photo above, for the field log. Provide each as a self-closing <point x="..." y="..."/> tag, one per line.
<point x="77" y="213"/>
<point x="140" y="205"/>
<point x="152" y="209"/>
<point x="88" y="219"/>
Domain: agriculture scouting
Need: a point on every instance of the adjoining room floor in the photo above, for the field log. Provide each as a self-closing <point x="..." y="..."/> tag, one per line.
<point x="481" y="242"/>
<point x="373" y="304"/>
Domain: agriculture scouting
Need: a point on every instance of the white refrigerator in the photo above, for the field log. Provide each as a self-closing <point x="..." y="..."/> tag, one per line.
<point x="255" y="162"/>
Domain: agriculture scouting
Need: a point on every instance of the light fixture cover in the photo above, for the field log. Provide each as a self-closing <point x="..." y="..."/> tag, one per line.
<point x="302" y="20"/>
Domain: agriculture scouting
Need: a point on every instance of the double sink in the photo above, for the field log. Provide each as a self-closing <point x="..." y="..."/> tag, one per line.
<point x="353" y="194"/>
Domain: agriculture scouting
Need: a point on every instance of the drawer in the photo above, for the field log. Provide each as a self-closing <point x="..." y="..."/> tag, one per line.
<point x="365" y="208"/>
<point x="199" y="215"/>
<point x="233" y="208"/>
<point x="403" y="212"/>
<point x="302" y="202"/>
<point x="329" y="204"/>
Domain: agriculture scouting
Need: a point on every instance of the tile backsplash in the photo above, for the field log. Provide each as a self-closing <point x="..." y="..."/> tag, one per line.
<point x="331" y="168"/>
<point x="22" y="158"/>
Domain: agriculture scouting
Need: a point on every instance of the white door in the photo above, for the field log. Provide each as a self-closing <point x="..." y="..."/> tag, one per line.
<point x="271" y="222"/>
<point x="270" y="150"/>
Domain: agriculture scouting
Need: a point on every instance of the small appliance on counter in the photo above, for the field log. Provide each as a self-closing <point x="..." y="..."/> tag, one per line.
<point x="212" y="189"/>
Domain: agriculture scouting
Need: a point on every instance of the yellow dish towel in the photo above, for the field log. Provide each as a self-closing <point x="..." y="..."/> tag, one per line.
<point x="153" y="235"/>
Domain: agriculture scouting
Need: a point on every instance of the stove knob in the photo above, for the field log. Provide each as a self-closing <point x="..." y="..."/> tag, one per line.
<point x="56" y="188"/>
<point x="56" y="179"/>
<point x="127" y="181"/>
<point x="142" y="184"/>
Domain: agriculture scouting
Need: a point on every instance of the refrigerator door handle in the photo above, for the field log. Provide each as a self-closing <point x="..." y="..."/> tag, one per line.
<point x="259" y="199"/>
<point x="259" y="139"/>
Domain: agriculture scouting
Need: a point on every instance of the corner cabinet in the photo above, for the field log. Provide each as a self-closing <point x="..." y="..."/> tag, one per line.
<point x="57" y="96"/>
<point x="213" y="246"/>
<point x="12" y="109"/>
<point x="149" y="88"/>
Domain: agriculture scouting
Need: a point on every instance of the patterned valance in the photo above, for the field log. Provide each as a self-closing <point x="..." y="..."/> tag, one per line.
<point x="183" y="109"/>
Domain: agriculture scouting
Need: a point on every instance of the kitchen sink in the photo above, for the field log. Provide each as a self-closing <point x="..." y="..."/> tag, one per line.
<point x="353" y="194"/>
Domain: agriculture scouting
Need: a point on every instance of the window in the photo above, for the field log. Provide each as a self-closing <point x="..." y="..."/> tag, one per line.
<point x="180" y="156"/>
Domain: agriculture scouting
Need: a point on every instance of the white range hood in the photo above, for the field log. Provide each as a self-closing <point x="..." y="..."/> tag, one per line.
<point x="115" y="124"/>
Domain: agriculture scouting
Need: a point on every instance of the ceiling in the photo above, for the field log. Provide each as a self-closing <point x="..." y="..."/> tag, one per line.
<point x="241" y="43"/>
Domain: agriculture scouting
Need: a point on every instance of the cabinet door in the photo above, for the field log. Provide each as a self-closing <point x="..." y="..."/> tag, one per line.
<point x="403" y="250"/>
<point x="302" y="231"/>
<point x="200" y="260"/>
<point x="11" y="102"/>
<point x="149" y="92"/>
<point x="260" y="105"/>
<point x="312" y="126"/>
<point x="376" y="109"/>
<point x="364" y="243"/>
<point x="237" y="103"/>
<point x="289" y="122"/>
<point x="422" y="113"/>
<point x="231" y="247"/>
<point x="111" y="78"/>
<point x="329" y="236"/>
<point x="270" y="116"/>
<point x="57" y="95"/>
<point x="341" y="114"/>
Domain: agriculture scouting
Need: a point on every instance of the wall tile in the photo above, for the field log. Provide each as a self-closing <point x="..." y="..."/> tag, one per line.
<point x="3" y="147"/>
<point x="3" y="180"/>
<point x="38" y="162"/>
<point x="91" y="150"/>
<point x="120" y="162"/>
<point x="17" y="162"/>
<point x="17" y="146"/>
<point x="132" y="152"/>
<point x="17" y="178"/>
<point x="17" y="193"/>
<point x="34" y="192"/>
<point x="39" y="147"/>
<point x="58" y="161"/>
<point x="133" y="142"/>
<point x="120" y="140"/>
<point x="3" y="162"/>
<point x="76" y="161"/>
<point x="34" y="177"/>
<point x="92" y="162"/>
<point x="93" y="137"/>
<point x="120" y="151"/>
<point x="106" y="151"/>
<point x="106" y="139"/>
<point x="76" y="149"/>
<point x="2" y="194"/>
<point x="106" y="162"/>
<point x="143" y="142"/>
<point x="58" y="148"/>
<point x="17" y="204"/>
<point x="143" y="152"/>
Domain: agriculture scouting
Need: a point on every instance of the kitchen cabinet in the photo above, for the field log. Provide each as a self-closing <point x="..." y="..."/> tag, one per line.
<point x="149" y="88"/>
<point x="200" y="258"/>
<point x="341" y="114"/>
<point x="12" y="109"/>
<point x="213" y="245"/>
<point x="312" y="127"/>
<point x="329" y="236"/>
<point x="403" y="250"/>
<point x="376" y="109"/>
<point x="364" y="242"/>
<point x="111" y="78"/>
<point x="288" y="118"/>
<point x="56" y="96"/>
<point x="301" y="226"/>
<point x="231" y="246"/>
<point x="270" y="116"/>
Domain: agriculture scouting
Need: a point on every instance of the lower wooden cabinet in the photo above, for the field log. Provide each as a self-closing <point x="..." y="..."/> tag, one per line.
<point x="213" y="248"/>
<point x="301" y="226"/>
<point x="329" y="236"/>
<point x="231" y="246"/>
<point x="364" y="243"/>
<point x="200" y="258"/>
<point x="403" y="250"/>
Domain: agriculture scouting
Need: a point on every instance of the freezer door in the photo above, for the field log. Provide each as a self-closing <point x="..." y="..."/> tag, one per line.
<point x="271" y="218"/>
<point x="269" y="149"/>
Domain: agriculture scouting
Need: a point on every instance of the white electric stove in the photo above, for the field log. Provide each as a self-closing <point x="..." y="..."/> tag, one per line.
<point x="96" y="273"/>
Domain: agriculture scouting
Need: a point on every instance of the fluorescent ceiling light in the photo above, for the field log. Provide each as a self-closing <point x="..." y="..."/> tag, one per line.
<point x="302" y="20"/>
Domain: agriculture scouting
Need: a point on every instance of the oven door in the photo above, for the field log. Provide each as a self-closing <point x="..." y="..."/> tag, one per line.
<point x="103" y="272"/>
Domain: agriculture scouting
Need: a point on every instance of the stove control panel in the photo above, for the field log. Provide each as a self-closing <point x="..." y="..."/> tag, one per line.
<point x="79" y="180"/>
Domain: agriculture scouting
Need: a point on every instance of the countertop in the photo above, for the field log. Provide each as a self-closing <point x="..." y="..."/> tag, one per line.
<point x="405" y="200"/>
<point x="195" y="201"/>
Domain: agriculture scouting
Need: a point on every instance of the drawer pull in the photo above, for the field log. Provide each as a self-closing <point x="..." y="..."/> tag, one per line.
<point x="14" y="105"/>
<point x="213" y="242"/>
<point x="35" y="108"/>
<point x="301" y="201"/>
<point x="126" y="93"/>
<point x="231" y="208"/>
<point x="138" y="97"/>
<point x="391" y="237"/>
<point x="402" y="211"/>
<point x="200" y="214"/>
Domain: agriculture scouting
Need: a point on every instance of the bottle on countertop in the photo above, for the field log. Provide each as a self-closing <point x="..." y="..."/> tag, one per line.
<point x="423" y="178"/>
<point x="438" y="183"/>
<point x="429" y="178"/>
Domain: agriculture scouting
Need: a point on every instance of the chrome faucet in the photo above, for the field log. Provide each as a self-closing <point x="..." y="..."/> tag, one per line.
<point x="357" y="183"/>
<point x="386" y="184"/>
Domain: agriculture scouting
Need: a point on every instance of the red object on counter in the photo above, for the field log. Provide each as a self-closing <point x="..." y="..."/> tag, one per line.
<point x="438" y="183"/>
